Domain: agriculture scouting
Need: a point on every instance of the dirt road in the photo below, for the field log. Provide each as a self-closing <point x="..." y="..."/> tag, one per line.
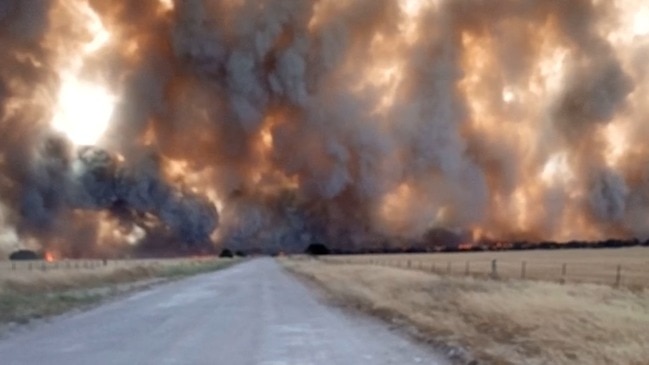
<point x="253" y="313"/>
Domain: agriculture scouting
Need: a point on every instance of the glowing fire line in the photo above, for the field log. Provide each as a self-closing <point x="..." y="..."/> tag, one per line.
<point x="84" y="108"/>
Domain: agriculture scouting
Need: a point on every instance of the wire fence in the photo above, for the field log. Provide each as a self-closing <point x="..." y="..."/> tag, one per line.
<point x="617" y="274"/>
<point x="92" y="264"/>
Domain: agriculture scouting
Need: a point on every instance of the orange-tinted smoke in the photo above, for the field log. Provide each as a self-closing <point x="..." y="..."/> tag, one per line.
<point x="357" y="122"/>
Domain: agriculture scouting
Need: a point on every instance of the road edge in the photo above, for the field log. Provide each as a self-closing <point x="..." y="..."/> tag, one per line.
<point x="395" y="322"/>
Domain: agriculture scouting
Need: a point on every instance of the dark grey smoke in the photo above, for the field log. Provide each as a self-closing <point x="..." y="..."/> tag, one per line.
<point x="95" y="180"/>
<point x="138" y="188"/>
<point x="345" y="122"/>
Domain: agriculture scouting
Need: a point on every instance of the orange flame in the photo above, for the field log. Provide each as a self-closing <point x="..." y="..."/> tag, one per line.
<point x="49" y="256"/>
<point x="465" y="246"/>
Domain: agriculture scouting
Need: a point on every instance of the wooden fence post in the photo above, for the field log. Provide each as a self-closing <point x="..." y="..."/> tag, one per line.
<point x="494" y="269"/>
<point x="564" y="270"/>
<point x="523" y="269"/>
<point x="618" y="276"/>
<point x="467" y="268"/>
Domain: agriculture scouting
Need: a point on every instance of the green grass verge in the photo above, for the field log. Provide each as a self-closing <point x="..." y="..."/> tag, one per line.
<point x="180" y="271"/>
<point x="21" y="308"/>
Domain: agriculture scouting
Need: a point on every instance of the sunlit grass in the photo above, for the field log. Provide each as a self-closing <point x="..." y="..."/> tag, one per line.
<point x="498" y="322"/>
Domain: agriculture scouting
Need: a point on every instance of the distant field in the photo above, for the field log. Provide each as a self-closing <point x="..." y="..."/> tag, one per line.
<point x="36" y="276"/>
<point x="91" y="264"/>
<point x="505" y="322"/>
<point x="32" y="289"/>
<point x="586" y="265"/>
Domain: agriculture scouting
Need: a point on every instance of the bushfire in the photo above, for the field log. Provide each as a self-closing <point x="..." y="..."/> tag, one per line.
<point x="49" y="257"/>
<point x="169" y="125"/>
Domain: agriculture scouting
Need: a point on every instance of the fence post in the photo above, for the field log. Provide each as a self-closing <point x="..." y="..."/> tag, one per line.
<point x="523" y="269"/>
<point x="467" y="268"/>
<point x="494" y="269"/>
<point x="618" y="276"/>
<point x="564" y="270"/>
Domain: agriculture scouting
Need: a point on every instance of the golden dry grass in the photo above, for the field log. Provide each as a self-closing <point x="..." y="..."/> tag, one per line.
<point x="499" y="322"/>
<point x="37" y="280"/>
<point x="585" y="265"/>
<point x="26" y="294"/>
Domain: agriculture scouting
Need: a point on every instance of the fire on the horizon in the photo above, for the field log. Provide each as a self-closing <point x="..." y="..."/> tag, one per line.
<point x="158" y="124"/>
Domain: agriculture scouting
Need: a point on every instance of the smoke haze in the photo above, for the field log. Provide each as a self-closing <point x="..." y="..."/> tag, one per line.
<point x="274" y="124"/>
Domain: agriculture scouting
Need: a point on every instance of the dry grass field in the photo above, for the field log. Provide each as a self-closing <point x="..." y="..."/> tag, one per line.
<point x="497" y="321"/>
<point x="38" y="289"/>
<point x="587" y="265"/>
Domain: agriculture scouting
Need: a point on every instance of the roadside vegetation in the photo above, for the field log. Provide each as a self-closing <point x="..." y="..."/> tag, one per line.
<point x="494" y="321"/>
<point x="26" y="295"/>
<point x="627" y="267"/>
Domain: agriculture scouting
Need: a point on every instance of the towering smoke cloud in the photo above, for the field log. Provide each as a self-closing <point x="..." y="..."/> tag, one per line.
<point x="274" y="124"/>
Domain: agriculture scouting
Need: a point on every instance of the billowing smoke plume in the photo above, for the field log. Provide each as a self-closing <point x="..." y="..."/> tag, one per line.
<point x="352" y="122"/>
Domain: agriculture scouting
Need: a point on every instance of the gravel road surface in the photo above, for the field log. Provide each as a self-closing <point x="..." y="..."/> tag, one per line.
<point x="253" y="313"/>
